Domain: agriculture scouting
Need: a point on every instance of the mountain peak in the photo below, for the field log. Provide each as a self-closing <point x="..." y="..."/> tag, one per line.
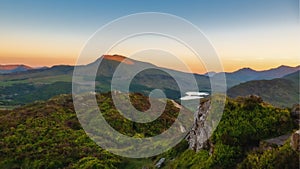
<point x="283" y="66"/>
<point x="247" y="69"/>
<point x="210" y="74"/>
<point x="118" y="58"/>
<point x="288" y="67"/>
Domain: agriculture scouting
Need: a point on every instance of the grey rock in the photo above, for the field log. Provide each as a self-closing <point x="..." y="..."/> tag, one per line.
<point x="199" y="133"/>
<point x="160" y="162"/>
<point x="295" y="141"/>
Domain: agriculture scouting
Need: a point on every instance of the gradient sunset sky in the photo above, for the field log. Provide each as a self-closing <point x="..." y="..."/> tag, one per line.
<point x="260" y="34"/>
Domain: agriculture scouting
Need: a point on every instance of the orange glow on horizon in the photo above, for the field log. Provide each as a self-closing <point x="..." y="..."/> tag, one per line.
<point x="228" y="65"/>
<point x="38" y="62"/>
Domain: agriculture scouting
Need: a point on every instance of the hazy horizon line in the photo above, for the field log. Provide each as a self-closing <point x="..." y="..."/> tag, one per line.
<point x="226" y="71"/>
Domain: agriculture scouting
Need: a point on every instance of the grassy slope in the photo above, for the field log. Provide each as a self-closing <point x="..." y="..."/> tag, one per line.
<point x="48" y="135"/>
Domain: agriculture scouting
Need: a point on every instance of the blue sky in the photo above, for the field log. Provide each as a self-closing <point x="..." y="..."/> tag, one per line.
<point x="26" y="24"/>
<point x="210" y="14"/>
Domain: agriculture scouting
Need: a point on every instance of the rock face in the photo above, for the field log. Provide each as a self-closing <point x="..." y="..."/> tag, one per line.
<point x="198" y="135"/>
<point x="295" y="140"/>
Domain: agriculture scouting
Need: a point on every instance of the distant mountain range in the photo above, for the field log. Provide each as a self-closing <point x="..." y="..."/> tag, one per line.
<point x="12" y="69"/>
<point x="20" y="87"/>
<point x="248" y="74"/>
<point x="24" y="87"/>
<point x="232" y="78"/>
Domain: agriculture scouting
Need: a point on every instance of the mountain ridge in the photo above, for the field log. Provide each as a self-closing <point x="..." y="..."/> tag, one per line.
<point x="127" y="60"/>
<point x="248" y="74"/>
<point x="14" y="86"/>
<point x="144" y="82"/>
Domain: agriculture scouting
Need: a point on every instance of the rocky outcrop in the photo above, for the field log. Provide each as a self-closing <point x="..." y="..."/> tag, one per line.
<point x="295" y="141"/>
<point x="199" y="133"/>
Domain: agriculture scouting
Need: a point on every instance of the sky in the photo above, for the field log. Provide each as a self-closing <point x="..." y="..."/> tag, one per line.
<point x="247" y="33"/>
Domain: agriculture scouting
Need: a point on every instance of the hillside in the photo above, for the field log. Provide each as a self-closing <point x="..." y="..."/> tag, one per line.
<point x="236" y="141"/>
<point x="24" y="87"/>
<point x="48" y="135"/>
<point x="21" y="88"/>
<point x="281" y="92"/>
<point x="294" y="77"/>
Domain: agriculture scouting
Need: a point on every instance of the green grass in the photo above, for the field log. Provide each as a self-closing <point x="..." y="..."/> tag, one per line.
<point x="138" y="163"/>
<point x="39" y="80"/>
<point x="47" y="134"/>
<point x="279" y="92"/>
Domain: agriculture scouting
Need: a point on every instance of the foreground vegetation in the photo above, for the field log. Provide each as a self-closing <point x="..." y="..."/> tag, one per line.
<point x="48" y="135"/>
<point x="245" y="122"/>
